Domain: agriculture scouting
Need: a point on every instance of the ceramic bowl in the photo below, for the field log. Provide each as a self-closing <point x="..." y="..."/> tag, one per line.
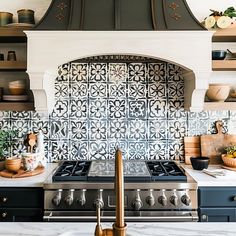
<point x="218" y="92"/>
<point x="30" y="161"/>
<point x="13" y="164"/>
<point x="219" y="54"/>
<point x="200" y="163"/>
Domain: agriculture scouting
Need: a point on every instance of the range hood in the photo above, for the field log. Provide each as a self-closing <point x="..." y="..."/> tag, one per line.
<point x="158" y="29"/>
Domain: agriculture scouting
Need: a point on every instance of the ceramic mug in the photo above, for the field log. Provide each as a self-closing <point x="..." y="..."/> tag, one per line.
<point x="30" y="161"/>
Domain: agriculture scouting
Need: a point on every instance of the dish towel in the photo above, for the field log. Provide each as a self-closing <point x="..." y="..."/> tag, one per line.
<point x="215" y="173"/>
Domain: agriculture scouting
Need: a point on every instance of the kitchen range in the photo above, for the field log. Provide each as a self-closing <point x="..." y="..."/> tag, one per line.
<point x="154" y="191"/>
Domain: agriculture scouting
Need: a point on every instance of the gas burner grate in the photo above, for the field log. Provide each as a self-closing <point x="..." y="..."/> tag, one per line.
<point x="72" y="170"/>
<point x="165" y="171"/>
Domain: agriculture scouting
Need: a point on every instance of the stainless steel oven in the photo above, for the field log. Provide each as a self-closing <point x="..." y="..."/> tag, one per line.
<point x="154" y="191"/>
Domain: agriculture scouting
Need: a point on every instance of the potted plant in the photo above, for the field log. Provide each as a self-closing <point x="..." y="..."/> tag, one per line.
<point x="5" y="144"/>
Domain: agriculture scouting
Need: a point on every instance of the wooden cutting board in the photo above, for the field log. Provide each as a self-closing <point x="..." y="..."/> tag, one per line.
<point x="21" y="173"/>
<point x="213" y="145"/>
<point x="191" y="148"/>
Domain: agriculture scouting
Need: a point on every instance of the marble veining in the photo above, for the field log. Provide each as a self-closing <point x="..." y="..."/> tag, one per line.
<point x="134" y="229"/>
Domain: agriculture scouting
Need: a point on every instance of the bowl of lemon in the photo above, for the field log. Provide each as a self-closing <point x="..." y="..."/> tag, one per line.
<point x="229" y="158"/>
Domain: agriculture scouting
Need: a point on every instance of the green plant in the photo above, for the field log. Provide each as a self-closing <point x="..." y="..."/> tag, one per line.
<point x="230" y="12"/>
<point x="5" y="142"/>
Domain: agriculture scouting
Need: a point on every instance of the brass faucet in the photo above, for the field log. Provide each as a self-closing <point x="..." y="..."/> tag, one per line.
<point x="119" y="227"/>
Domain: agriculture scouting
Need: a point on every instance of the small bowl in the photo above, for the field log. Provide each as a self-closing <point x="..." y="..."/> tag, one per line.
<point x="16" y="90"/>
<point x="218" y="92"/>
<point x="219" y="54"/>
<point x="13" y="164"/>
<point x="231" y="162"/>
<point x="200" y="163"/>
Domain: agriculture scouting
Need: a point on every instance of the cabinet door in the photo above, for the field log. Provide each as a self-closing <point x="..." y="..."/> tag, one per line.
<point x="217" y="214"/>
<point x="21" y="214"/>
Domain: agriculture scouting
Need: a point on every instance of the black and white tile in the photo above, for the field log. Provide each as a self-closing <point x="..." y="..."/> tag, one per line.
<point x="133" y="103"/>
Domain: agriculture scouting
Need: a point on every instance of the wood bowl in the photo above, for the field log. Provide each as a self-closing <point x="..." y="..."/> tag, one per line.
<point x="231" y="162"/>
<point x="218" y="92"/>
<point x="13" y="164"/>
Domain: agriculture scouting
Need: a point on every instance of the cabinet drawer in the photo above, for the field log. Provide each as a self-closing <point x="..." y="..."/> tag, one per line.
<point x="21" y="197"/>
<point x="215" y="196"/>
<point x="21" y="214"/>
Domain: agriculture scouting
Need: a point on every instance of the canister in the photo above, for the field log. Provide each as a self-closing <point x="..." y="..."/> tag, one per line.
<point x="26" y="16"/>
<point x="5" y="18"/>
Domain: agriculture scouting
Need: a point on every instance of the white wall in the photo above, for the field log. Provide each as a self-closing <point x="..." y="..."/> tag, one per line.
<point x="200" y="8"/>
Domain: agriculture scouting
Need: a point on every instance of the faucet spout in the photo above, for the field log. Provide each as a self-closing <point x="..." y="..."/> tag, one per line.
<point x="119" y="227"/>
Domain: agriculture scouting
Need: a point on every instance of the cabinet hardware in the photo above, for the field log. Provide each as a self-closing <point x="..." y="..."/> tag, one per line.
<point x="4" y="215"/>
<point x="4" y="199"/>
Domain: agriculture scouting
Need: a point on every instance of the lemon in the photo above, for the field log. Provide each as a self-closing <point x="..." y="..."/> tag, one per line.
<point x="234" y="154"/>
<point x="230" y="155"/>
<point x="210" y="22"/>
<point x="223" y="22"/>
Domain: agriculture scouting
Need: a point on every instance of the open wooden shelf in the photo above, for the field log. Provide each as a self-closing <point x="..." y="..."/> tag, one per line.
<point x="13" y="35"/>
<point x="213" y="106"/>
<point x="225" y="35"/>
<point x="224" y="65"/>
<point x="13" y="65"/>
<point x="17" y="106"/>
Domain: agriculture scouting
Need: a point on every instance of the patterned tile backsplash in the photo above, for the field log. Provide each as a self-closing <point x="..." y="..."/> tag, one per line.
<point x="136" y="105"/>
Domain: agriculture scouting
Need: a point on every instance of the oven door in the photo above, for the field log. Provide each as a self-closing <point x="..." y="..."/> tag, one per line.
<point x="130" y="216"/>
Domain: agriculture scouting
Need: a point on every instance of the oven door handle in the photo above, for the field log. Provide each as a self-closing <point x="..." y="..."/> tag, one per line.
<point x="188" y="217"/>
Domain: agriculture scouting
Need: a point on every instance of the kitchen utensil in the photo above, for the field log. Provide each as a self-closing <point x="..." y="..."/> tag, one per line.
<point x="200" y="163"/>
<point x="219" y="54"/>
<point x="5" y="18"/>
<point x="191" y="148"/>
<point x="218" y="92"/>
<point x="213" y="145"/>
<point x="26" y="16"/>
<point x="232" y="53"/>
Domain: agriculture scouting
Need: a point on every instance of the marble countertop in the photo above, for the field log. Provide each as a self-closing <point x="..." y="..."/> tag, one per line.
<point x="33" y="181"/>
<point x="206" y="180"/>
<point x="133" y="229"/>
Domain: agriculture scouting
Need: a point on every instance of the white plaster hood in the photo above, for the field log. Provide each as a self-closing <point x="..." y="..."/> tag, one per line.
<point x="49" y="49"/>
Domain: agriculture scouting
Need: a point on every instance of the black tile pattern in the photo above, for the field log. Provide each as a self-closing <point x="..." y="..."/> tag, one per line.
<point x="103" y="102"/>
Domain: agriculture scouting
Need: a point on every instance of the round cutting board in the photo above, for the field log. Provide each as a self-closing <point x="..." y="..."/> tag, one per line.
<point x="21" y="173"/>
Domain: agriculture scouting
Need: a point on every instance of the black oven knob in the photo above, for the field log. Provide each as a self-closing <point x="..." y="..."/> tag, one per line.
<point x="162" y="200"/>
<point x="185" y="199"/>
<point x="174" y="200"/>
<point x="57" y="198"/>
<point x="137" y="203"/>
<point x="81" y="200"/>
<point x="69" y="198"/>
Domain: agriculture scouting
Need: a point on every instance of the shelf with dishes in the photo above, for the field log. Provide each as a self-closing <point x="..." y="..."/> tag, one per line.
<point x="220" y="96"/>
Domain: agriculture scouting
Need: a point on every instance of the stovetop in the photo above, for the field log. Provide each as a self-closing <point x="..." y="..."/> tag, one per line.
<point x="134" y="171"/>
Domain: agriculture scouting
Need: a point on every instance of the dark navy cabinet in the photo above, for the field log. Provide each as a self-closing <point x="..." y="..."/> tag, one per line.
<point x="217" y="204"/>
<point x="21" y="204"/>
